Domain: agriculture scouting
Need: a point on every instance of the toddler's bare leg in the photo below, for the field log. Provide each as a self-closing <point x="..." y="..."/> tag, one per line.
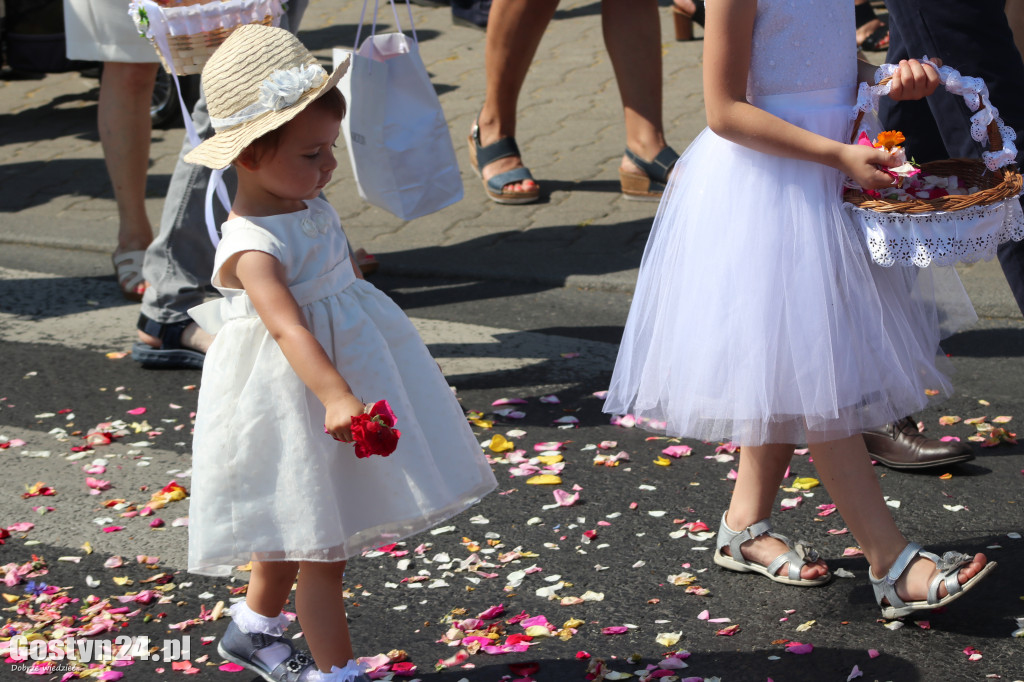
<point x="759" y="474"/>
<point x="270" y="583"/>
<point x="321" y="609"/>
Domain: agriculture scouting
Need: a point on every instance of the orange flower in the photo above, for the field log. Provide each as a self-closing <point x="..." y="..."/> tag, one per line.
<point x="889" y="139"/>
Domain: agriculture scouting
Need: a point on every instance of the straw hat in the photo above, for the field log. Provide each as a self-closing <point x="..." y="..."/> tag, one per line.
<point x="258" y="80"/>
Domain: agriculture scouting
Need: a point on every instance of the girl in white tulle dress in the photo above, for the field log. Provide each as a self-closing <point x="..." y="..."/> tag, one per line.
<point x="302" y="342"/>
<point x="758" y="316"/>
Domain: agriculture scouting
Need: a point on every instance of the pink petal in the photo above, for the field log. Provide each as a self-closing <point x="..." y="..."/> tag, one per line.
<point x="137" y="411"/>
<point x="564" y="499"/>
<point x="231" y="668"/>
<point x="614" y="630"/>
<point x="798" y="648"/>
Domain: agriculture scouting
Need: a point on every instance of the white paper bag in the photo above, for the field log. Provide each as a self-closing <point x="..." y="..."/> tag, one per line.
<point x="395" y="130"/>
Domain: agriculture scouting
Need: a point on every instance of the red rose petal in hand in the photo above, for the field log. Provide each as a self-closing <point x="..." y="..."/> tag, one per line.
<point x="372" y="433"/>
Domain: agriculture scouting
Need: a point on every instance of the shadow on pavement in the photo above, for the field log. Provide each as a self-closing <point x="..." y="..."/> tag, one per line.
<point x="1003" y="342"/>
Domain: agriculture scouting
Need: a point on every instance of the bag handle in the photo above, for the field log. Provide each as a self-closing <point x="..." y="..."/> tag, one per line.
<point x="986" y="126"/>
<point x="373" y="29"/>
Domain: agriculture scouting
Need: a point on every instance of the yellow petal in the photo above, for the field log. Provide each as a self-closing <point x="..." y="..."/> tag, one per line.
<point x="538" y="631"/>
<point x="87" y="547"/>
<point x="482" y="423"/>
<point x="805" y="483"/>
<point x="11" y="598"/>
<point x="549" y="459"/>
<point x="663" y="461"/>
<point x="946" y="477"/>
<point x="544" y="479"/>
<point x="573" y="623"/>
<point x="122" y="581"/>
<point x="949" y="420"/>
<point x="1001" y="420"/>
<point x="500" y="444"/>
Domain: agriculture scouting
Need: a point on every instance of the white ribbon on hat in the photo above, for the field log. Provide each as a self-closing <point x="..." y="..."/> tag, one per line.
<point x="280" y="90"/>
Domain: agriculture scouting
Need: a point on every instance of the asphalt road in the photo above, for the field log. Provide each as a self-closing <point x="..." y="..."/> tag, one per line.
<point x="543" y="340"/>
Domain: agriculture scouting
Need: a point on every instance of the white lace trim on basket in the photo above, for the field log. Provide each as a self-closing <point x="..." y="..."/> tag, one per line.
<point x="942" y="238"/>
<point x="975" y="93"/>
<point x="191" y="19"/>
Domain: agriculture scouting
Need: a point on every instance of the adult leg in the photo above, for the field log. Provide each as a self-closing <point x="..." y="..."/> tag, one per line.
<point x="760" y="472"/>
<point x="514" y="30"/>
<point x="124" y="126"/>
<point x="632" y="35"/>
<point x="844" y="467"/>
<point x="321" y="607"/>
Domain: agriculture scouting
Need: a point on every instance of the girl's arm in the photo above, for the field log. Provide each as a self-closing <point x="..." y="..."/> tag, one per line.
<point x="727" y="53"/>
<point x="262" y="277"/>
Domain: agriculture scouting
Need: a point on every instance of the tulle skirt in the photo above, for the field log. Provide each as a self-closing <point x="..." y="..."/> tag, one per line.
<point x="758" y="315"/>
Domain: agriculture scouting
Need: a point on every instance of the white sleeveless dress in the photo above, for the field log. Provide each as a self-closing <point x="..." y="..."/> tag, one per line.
<point x="268" y="483"/>
<point x="758" y="316"/>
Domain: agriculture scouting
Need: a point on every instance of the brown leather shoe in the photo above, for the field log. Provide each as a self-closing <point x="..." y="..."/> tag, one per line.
<point x="900" y="445"/>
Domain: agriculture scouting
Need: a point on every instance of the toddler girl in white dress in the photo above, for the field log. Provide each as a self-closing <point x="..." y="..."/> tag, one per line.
<point x="302" y="342"/>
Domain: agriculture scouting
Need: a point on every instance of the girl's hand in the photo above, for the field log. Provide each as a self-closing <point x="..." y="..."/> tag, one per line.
<point x="861" y="163"/>
<point x="338" y="421"/>
<point x="913" y="80"/>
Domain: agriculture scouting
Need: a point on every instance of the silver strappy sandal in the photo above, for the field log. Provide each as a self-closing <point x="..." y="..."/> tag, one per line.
<point x="798" y="555"/>
<point x="949" y="569"/>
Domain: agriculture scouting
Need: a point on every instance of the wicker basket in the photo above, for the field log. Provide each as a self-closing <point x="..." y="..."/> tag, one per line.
<point x="953" y="228"/>
<point x="189" y="49"/>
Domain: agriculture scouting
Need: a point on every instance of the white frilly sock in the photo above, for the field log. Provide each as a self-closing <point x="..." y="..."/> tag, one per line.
<point x="249" y="621"/>
<point x="352" y="672"/>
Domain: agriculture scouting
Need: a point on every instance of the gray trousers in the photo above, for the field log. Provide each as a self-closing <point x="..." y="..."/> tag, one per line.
<point x="179" y="261"/>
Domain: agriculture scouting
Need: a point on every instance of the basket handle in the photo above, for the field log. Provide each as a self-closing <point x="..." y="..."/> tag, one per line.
<point x="1001" y="150"/>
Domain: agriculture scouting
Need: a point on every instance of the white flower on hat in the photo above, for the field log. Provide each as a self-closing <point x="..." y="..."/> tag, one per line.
<point x="280" y="90"/>
<point x="284" y="87"/>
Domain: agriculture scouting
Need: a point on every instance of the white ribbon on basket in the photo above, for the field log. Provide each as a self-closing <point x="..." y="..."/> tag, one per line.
<point x="156" y="27"/>
<point x="975" y="93"/>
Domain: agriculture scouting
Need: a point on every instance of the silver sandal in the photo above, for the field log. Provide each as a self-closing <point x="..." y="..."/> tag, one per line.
<point x="949" y="569"/>
<point x="798" y="555"/>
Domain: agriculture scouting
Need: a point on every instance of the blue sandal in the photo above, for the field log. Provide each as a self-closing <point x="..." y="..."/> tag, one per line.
<point x="480" y="156"/>
<point x="650" y="184"/>
<point x="240" y="648"/>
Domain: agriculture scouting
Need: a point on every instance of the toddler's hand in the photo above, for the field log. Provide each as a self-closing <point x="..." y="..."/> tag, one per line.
<point x="338" y="421"/>
<point x="913" y="80"/>
<point x="861" y="163"/>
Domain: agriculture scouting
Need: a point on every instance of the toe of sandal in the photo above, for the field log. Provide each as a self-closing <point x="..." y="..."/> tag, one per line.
<point x="128" y="270"/>
<point x="241" y="648"/>
<point x="948" y="565"/>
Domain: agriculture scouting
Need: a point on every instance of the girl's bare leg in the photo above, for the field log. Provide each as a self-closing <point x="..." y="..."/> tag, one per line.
<point x="759" y="474"/>
<point x="270" y="583"/>
<point x="321" y="608"/>
<point x="846" y="472"/>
